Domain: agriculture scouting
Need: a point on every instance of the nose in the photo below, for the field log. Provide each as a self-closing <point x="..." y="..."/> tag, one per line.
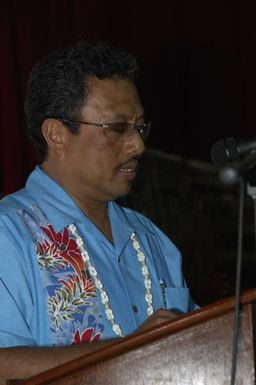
<point x="135" y="144"/>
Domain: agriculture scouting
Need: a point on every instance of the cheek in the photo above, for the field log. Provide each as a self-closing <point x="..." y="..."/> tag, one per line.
<point x="106" y="151"/>
<point x="99" y="158"/>
<point x="97" y="153"/>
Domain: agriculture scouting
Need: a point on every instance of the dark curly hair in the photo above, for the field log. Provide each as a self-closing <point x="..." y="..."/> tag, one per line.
<point x="58" y="84"/>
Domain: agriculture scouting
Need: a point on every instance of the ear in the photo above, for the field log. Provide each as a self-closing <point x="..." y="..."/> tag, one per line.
<point x="54" y="133"/>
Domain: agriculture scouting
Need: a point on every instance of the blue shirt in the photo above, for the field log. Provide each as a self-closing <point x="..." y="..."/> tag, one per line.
<point x="47" y="295"/>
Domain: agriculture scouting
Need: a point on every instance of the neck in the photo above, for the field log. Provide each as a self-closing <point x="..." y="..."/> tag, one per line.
<point x="98" y="214"/>
<point x="97" y="211"/>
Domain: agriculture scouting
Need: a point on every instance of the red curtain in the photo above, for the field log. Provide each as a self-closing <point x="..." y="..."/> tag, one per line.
<point x="197" y="58"/>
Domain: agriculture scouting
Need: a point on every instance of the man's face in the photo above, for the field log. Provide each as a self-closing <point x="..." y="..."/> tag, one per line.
<point x="100" y="164"/>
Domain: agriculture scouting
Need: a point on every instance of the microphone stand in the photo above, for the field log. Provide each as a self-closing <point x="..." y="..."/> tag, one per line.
<point x="234" y="173"/>
<point x="251" y="191"/>
<point x="238" y="282"/>
<point x="247" y="170"/>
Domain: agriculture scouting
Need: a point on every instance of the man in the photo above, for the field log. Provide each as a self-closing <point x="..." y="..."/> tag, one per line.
<point x="75" y="266"/>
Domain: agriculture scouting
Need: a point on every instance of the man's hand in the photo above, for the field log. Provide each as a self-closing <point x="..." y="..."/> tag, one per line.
<point x="160" y="316"/>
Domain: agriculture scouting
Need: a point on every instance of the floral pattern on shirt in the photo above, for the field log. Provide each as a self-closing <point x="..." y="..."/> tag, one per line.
<point x="71" y="297"/>
<point x="87" y="335"/>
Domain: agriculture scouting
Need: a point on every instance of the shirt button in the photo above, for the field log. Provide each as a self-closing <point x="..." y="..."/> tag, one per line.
<point x="135" y="309"/>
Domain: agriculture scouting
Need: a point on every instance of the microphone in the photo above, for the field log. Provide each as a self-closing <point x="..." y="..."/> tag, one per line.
<point x="236" y="156"/>
<point x="231" y="150"/>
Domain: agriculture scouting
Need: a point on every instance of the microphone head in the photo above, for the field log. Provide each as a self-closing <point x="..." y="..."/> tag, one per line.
<point x="236" y="157"/>
<point x="225" y="151"/>
<point x="229" y="175"/>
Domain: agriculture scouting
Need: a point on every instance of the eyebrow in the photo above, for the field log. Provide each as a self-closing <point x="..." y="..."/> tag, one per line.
<point x="141" y="116"/>
<point x="127" y="117"/>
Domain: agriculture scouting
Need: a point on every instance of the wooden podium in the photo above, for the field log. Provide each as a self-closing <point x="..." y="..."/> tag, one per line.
<point x="195" y="349"/>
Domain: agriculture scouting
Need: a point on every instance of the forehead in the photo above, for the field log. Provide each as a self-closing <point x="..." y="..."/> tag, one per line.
<point x="115" y="94"/>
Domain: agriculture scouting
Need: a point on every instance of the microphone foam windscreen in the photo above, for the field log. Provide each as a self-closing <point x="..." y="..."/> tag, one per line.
<point x="224" y="152"/>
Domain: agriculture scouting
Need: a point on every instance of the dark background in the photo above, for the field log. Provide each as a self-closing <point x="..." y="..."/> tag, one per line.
<point x="198" y="67"/>
<point x="198" y="85"/>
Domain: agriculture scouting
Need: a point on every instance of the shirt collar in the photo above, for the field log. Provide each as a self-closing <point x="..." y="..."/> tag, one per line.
<point x="124" y="222"/>
<point x="132" y="220"/>
<point x="49" y="195"/>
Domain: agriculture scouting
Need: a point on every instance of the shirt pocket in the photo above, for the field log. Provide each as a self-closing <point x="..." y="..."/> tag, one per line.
<point x="178" y="299"/>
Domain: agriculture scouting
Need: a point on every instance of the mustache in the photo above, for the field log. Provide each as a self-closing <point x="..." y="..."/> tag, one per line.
<point x="132" y="162"/>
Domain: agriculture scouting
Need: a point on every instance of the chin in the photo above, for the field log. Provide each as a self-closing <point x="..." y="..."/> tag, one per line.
<point x="122" y="192"/>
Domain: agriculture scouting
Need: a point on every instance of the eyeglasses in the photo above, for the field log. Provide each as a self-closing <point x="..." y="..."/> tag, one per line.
<point x="119" y="129"/>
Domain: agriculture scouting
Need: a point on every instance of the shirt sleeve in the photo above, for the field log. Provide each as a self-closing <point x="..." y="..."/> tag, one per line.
<point x="15" y="294"/>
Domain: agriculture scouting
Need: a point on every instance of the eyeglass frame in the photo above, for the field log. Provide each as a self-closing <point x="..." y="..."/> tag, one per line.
<point x="142" y="129"/>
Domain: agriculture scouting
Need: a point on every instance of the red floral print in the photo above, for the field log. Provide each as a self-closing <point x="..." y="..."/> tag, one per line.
<point x="86" y="336"/>
<point x="65" y="248"/>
